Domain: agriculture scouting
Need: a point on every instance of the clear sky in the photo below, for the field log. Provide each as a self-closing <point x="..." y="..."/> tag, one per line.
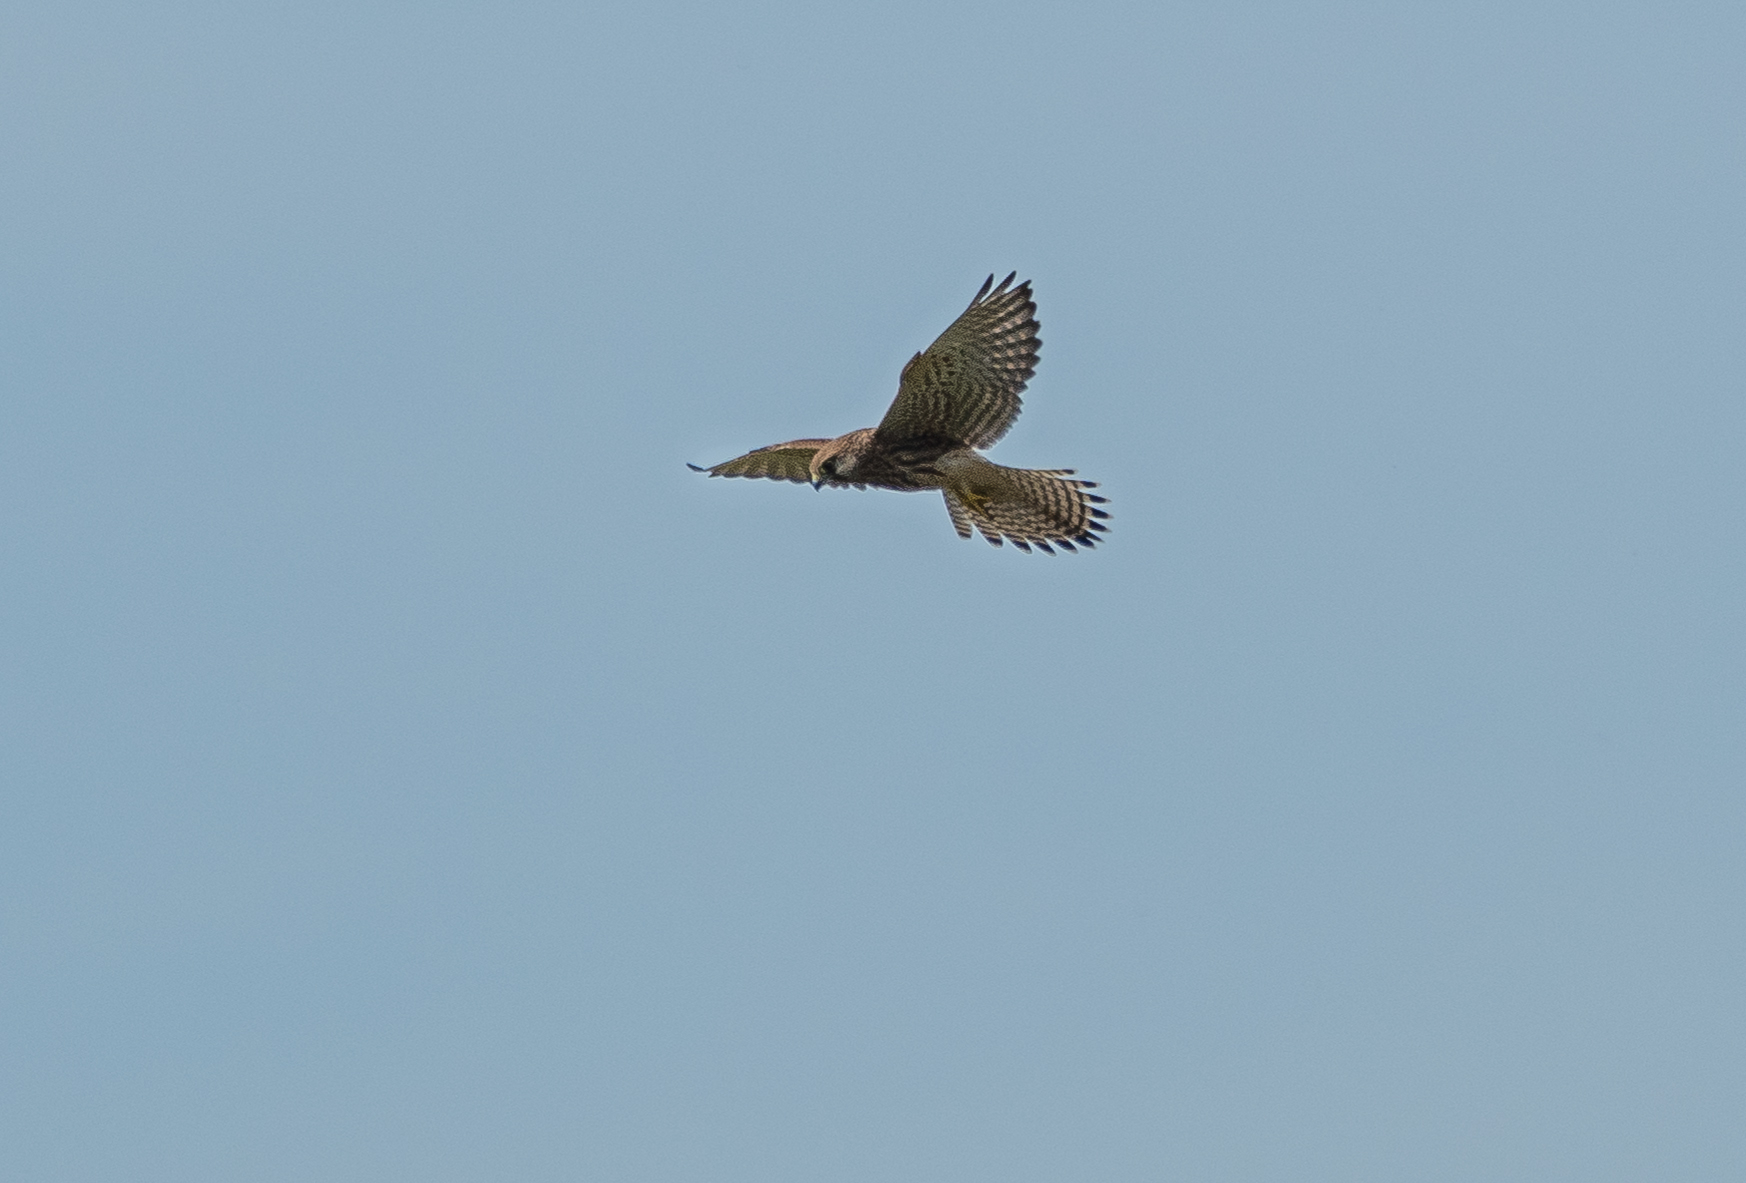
<point x="413" y="771"/>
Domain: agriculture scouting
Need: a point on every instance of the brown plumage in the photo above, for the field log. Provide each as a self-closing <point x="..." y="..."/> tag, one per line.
<point x="958" y="397"/>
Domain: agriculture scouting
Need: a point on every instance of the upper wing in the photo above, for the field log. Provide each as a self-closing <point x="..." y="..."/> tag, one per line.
<point x="966" y="387"/>
<point x="791" y="461"/>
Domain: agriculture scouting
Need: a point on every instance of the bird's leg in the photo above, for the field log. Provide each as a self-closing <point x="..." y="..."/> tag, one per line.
<point x="978" y="502"/>
<point x="973" y="480"/>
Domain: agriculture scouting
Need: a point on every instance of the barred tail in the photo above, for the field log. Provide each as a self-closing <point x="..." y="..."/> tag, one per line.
<point x="1040" y="507"/>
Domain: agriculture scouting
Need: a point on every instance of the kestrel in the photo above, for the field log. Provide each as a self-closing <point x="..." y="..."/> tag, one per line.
<point x="952" y="401"/>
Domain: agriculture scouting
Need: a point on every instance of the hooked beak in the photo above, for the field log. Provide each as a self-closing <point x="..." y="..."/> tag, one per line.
<point x="817" y="483"/>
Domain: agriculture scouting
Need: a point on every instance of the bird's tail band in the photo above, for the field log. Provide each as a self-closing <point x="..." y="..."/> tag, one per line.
<point x="1043" y="508"/>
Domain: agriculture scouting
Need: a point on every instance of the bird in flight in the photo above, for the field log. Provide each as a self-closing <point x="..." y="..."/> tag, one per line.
<point x="954" y="400"/>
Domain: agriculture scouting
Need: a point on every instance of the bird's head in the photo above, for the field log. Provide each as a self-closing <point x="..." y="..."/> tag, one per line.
<point x="834" y="462"/>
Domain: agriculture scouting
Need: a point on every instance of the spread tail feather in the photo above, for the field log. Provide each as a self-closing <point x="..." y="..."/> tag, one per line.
<point x="1031" y="507"/>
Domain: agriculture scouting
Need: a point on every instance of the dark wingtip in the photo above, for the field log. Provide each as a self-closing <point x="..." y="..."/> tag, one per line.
<point x="694" y="467"/>
<point x="983" y="290"/>
<point x="1096" y="500"/>
<point x="1045" y="548"/>
<point x="1065" y="545"/>
<point x="1024" y="546"/>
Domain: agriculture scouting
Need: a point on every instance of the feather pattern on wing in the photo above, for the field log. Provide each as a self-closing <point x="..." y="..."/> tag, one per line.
<point x="965" y="388"/>
<point x="779" y="462"/>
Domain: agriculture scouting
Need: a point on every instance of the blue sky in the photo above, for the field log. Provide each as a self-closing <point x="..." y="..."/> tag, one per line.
<point x="414" y="771"/>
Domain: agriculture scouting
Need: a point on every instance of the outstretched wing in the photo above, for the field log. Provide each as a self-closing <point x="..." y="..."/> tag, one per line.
<point x="965" y="388"/>
<point x="791" y="461"/>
